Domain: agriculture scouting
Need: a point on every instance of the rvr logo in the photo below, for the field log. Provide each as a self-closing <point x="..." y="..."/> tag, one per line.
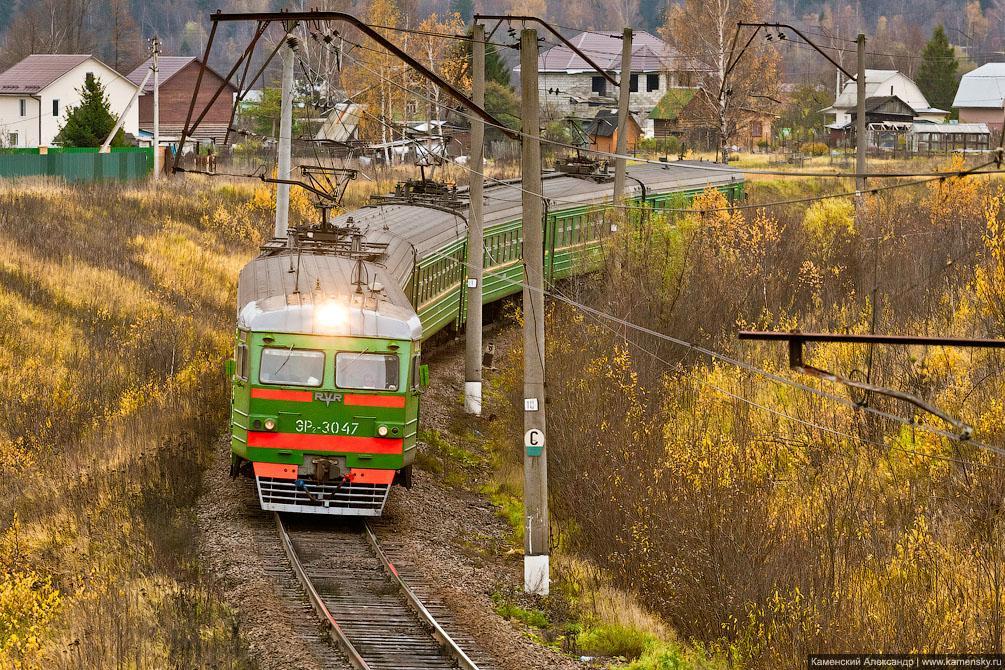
<point x="328" y="397"/>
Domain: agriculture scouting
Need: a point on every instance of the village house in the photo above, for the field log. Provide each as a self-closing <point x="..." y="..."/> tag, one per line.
<point x="685" y="115"/>
<point x="570" y="88"/>
<point x="602" y="132"/>
<point x="881" y="87"/>
<point x="178" y="76"/>
<point x="36" y="92"/>
<point x="981" y="96"/>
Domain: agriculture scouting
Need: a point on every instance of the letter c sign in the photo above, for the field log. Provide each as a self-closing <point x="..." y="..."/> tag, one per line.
<point x="533" y="442"/>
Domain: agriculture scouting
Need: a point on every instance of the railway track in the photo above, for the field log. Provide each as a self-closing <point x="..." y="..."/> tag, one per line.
<point x="371" y="614"/>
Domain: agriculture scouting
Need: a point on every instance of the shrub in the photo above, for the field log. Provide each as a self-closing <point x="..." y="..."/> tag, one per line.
<point x="614" y="640"/>
<point x="814" y="148"/>
<point x="826" y="220"/>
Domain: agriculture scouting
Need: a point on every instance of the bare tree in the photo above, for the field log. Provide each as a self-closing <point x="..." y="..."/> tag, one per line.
<point x="702" y="32"/>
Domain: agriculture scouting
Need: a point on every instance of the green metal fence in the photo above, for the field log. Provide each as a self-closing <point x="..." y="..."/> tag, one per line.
<point x="77" y="163"/>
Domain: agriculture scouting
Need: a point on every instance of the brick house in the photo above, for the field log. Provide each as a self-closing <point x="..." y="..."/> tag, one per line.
<point x="178" y="75"/>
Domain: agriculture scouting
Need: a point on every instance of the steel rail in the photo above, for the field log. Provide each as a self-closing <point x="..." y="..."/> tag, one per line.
<point x="441" y="636"/>
<point x="339" y="637"/>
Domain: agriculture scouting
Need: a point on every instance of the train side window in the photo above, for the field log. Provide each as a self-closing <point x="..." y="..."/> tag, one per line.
<point x="415" y="372"/>
<point x="241" y="356"/>
<point x="241" y="361"/>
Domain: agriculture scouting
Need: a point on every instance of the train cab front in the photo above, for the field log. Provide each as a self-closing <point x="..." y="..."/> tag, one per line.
<point x="331" y="418"/>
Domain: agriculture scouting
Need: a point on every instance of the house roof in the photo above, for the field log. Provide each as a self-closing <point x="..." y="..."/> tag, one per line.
<point x="605" y="123"/>
<point x="951" y="128"/>
<point x="672" y="104"/>
<point x="169" y="66"/>
<point x="983" y="87"/>
<point x="874" y="103"/>
<point x="876" y="86"/>
<point x="37" y="71"/>
<point x="649" y="54"/>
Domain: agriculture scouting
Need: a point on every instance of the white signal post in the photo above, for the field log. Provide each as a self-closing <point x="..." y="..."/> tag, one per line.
<point x="476" y="255"/>
<point x="155" y="66"/>
<point x="537" y="541"/>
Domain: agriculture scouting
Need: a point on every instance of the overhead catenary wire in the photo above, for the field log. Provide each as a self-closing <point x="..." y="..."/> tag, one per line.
<point x="872" y="190"/>
<point x="784" y="415"/>
<point x="749" y="367"/>
<point x="709" y="166"/>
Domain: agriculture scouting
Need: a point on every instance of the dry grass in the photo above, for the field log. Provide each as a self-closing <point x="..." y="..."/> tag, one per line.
<point x="116" y="310"/>
<point x="761" y="538"/>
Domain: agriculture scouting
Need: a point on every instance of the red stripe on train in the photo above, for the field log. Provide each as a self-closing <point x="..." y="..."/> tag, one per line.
<point x="336" y="443"/>
<point x="374" y="400"/>
<point x="280" y="394"/>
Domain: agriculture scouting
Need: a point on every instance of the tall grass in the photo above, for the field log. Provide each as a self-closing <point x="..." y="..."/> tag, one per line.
<point x="761" y="522"/>
<point x="115" y="317"/>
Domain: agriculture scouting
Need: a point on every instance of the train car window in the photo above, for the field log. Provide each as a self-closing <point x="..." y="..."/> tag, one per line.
<point x="241" y="361"/>
<point x="291" y="367"/>
<point x="241" y="356"/>
<point x="415" y="372"/>
<point x="372" y="372"/>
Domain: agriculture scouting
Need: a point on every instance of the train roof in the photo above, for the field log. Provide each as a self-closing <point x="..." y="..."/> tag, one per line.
<point x="415" y="232"/>
<point x="319" y="297"/>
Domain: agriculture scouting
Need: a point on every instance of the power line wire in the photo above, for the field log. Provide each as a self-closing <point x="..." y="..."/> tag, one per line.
<point x="610" y="155"/>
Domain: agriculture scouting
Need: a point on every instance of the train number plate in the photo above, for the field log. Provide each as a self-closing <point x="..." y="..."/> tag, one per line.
<point x="327" y="427"/>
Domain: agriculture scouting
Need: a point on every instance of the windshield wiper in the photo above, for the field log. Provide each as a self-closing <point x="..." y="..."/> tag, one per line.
<point x="287" y="360"/>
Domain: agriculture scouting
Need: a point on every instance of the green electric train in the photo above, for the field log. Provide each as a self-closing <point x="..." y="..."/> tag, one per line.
<point x="327" y="373"/>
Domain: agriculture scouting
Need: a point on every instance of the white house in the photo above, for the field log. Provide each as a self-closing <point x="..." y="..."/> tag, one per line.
<point x="882" y="84"/>
<point x="981" y="95"/>
<point x="35" y="94"/>
<point x="570" y="86"/>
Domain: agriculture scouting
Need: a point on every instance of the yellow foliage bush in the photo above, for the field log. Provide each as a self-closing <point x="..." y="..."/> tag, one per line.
<point x="28" y="604"/>
<point x="827" y="220"/>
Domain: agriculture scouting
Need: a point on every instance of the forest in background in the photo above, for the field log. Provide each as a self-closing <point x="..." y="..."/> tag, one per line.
<point x="117" y="30"/>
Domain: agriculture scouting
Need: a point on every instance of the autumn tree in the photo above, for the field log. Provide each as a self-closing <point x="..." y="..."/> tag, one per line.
<point x="937" y="75"/>
<point x="124" y="47"/>
<point x="702" y="31"/>
<point x="374" y="77"/>
<point x="47" y="27"/>
<point x="802" y="110"/>
<point x="444" y="56"/>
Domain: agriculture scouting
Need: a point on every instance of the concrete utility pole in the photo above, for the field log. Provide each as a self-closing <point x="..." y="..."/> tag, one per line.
<point x="288" y="54"/>
<point x="476" y="254"/>
<point x="155" y="66"/>
<point x="861" y="141"/>
<point x="536" y="567"/>
<point x="624" y="91"/>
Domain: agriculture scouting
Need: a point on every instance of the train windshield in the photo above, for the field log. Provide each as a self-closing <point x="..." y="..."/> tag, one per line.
<point x="372" y="372"/>
<point x="292" y="367"/>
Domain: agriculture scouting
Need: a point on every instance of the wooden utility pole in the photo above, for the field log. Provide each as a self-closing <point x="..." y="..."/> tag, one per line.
<point x="624" y="91"/>
<point x="476" y="254"/>
<point x="861" y="141"/>
<point x="155" y="66"/>
<point x="285" y="139"/>
<point x="536" y="566"/>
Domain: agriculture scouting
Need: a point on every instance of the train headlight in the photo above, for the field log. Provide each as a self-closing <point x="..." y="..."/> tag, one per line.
<point x="382" y="431"/>
<point x="270" y="424"/>
<point x="330" y="317"/>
